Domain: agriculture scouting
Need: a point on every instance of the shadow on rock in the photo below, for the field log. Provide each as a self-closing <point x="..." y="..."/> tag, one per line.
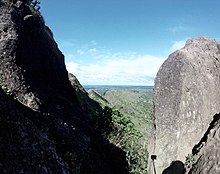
<point x="176" y="167"/>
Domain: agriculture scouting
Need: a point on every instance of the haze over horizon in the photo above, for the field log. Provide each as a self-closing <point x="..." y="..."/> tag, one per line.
<point x="118" y="42"/>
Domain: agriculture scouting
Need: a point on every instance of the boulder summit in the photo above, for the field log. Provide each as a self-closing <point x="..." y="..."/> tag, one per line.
<point x="186" y="99"/>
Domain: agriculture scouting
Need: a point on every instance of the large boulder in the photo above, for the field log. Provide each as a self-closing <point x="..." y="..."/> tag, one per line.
<point x="186" y="97"/>
<point x="44" y="125"/>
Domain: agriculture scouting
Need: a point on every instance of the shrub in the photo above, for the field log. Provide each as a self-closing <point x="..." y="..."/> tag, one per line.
<point x="190" y="160"/>
<point x="121" y="132"/>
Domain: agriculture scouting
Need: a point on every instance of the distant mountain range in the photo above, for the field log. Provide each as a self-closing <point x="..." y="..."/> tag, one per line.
<point x="117" y="87"/>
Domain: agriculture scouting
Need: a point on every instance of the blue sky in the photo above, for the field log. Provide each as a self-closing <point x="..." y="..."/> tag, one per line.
<point x="124" y="42"/>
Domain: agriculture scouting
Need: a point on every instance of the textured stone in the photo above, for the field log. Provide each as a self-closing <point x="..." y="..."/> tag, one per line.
<point x="24" y="148"/>
<point x="186" y="97"/>
<point x="44" y="125"/>
<point x="207" y="151"/>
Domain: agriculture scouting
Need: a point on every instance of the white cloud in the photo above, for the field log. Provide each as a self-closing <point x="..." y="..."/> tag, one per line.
<point x="118" y="68"/>
<point x="80" y="52"/>
<point x="93" y="42"/>
<point x="179" y="28"/>
<point x="177" y="45"/>
<point x="92" y="51"/>
<point x="140" y="70"/>
<point x="72" y="67"/>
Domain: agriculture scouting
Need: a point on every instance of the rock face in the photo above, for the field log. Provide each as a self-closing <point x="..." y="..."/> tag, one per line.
<point x="207" y="151"/>
<point x="89" y="106"/>
<point x="23" y="146"/>
<point x="44" y="127"/>
<point x="186" y="97"/>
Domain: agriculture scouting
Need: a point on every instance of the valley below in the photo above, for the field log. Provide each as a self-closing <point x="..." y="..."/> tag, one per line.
<point x="135" y="102"/>
<point x="132" y="107"/>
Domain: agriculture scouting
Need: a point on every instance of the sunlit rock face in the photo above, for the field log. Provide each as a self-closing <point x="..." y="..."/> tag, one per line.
<point x="186" y="97"/>
<point x="31" y="63"/>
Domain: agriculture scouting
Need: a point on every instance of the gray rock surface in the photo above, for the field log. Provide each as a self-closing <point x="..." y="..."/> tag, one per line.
<point x="45" y="126"/>
<point x="207" y="151"/>
<point x="186" y="97"/>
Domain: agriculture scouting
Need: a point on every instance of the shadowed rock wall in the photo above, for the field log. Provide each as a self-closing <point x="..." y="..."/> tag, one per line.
<point x="45" y="122"/>
<point x="207" y="151"/>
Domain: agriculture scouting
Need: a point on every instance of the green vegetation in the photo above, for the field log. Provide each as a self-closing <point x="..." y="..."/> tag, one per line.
<point x="121" y="132"/>
<point x="126" y="136"/>
<point x="126" y="122"/>
<point x="190" y="160"/>
<point x="134" y="104"/>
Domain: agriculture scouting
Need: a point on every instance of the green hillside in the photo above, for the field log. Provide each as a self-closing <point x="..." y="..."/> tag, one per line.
<point x="131" y="117"/>
<point x="135" y="104"/>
